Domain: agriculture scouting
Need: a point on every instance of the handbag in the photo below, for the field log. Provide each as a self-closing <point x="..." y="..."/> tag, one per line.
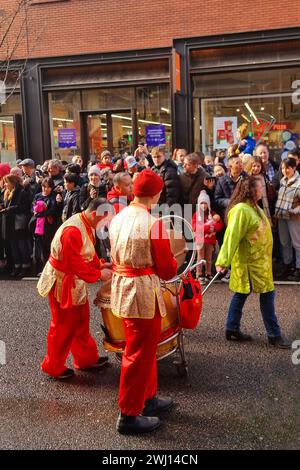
<point x="21" y="221"/>
<point x="190" y="302"/>
<point x="271" y="192"/>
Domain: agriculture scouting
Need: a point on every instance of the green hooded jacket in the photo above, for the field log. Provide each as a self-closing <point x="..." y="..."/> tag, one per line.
<point x="247" y="248"/>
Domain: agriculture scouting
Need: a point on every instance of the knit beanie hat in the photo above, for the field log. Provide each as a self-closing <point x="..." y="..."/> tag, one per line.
<point x="4" y="169"/>
<point x="204" y="197"/>
<point x="96" y="170"/>
<point x="147" y="184"/>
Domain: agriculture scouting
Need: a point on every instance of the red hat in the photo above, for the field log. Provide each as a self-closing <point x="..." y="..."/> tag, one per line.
<point x="147" y="184"/>
<point x="4" y="169"/>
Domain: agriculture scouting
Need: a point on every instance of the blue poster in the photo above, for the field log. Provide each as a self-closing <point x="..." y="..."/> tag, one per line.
<point x="155" y="135"/>
<point x="66" y="138"/>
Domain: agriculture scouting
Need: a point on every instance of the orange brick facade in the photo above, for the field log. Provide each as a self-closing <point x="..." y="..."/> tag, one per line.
<point x="71" y="27"/>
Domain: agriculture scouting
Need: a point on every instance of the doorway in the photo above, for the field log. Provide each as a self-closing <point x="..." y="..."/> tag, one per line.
<point x="113" y="129"/>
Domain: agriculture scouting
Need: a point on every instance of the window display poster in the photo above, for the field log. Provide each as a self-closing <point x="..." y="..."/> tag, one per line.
<point x="155" y="135"/>
<point x="66" y="138"/>
<point x="225" y="129"/>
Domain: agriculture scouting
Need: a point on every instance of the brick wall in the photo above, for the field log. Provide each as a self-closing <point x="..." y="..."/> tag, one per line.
<point x="67" y="27"/>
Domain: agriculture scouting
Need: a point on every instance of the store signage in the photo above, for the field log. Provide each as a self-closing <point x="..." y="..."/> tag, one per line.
<point x="225" y="129"/>
<point x="66" y="138"/>
<point x="176" y="71"/>
<point x="155" y="135"/>
<point x="282" y="126"/>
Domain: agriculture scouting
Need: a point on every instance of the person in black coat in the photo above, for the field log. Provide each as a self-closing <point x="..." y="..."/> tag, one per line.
<point x="227" y="183"/>
<point x="69" y="200"/>
<point x="31" y="178"/>
<point x="15" y="216"/>
<point x="167" y="170"/>
<point x="52" y="220"/>
<point x="75" y="169"/>
<point x="192" y="180"/>
<point x="55" y="171"/>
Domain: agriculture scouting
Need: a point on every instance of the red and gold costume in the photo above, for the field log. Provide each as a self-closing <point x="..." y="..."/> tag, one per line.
<point x="72" y="263"/>
<point x="141" y="255"/>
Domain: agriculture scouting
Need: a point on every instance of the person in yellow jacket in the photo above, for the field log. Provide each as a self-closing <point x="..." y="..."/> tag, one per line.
<point x="247" y="248"/>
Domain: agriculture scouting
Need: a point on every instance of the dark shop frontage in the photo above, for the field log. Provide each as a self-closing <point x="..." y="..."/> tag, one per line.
<point x="195" y="94"/>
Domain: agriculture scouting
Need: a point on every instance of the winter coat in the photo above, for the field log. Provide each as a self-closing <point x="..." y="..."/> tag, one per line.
<point x="51" y="214"/>
<point x="247" y="248"/>
<point x="71" y="204"/>
<point x="33" y="187"/>
<point x="18" y="204"/>
<point x="207" y="228"/>
<point x="171" y="192"/>
<point x="224" y="190"/>
<point x="289" y="193"/>
<point x="84" y="196"/>
<point x="191" y="185"/>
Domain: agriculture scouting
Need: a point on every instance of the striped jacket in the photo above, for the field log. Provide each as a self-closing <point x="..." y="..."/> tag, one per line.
<point x="289" y="192"/>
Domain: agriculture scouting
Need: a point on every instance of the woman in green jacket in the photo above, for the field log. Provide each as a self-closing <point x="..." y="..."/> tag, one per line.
<point x="247" y="248"/>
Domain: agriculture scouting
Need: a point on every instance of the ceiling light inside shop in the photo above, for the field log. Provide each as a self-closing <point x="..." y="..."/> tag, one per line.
<point x="141" y="120"/>
<point x="262" y="108"/>
<point x="238" y="110"/>
<point x="245" y="117"/>
<point x="6" y="122"/>
<point x="63" y="119"/>
<point x="166" y="110"/>
<point x="121" y="117"/>
<point x="251" y="112"/>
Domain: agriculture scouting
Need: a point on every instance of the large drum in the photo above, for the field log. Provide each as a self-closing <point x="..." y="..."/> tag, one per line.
<point x="114" y="340"/>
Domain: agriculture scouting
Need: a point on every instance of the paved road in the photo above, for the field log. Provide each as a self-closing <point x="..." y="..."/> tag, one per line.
<point x="235" y="397"/>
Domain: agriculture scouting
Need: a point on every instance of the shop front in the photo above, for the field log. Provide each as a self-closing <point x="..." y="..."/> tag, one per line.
<point x="254" y="83"/>
<point x="106" y="106"/>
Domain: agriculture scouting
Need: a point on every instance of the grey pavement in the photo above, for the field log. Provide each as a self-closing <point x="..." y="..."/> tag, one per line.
<point x="236" y="396"/>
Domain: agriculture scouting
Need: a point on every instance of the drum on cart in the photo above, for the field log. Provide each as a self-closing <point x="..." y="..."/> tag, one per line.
<point x="113" y="328"/>
<point x="171" y="337"/>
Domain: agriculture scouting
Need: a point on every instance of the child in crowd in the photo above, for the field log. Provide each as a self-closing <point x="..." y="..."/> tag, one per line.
<point x="44" y="222"/>
<point x="206" y="224"/>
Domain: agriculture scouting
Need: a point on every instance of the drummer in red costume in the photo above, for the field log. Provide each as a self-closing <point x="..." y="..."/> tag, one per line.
<point x="72" y="263"/>
<point x="141" y="254"/>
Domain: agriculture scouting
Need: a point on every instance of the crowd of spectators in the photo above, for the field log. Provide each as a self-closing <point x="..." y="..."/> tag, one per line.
<point x="36" y="199"/>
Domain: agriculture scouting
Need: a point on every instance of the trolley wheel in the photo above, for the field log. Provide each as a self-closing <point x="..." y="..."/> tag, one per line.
<point x="182" y="369"/>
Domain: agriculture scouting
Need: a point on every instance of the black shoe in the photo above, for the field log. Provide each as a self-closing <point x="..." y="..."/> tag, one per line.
<point x="16" y="273"/>
<point x="237" y="335"/>
<point x="284" y="272"/>
<point x="157" y="405"/>
<point x="100" y="364"/>
<point x="279" y="342"/>
<point x="67" y="374"/>
<point x="137" y="424"/>
<point x="294" y="276"/>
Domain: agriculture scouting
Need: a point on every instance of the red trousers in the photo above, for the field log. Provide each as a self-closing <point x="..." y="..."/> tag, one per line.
<point x="69" y="332"/>
<point x="138" y="380"/>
